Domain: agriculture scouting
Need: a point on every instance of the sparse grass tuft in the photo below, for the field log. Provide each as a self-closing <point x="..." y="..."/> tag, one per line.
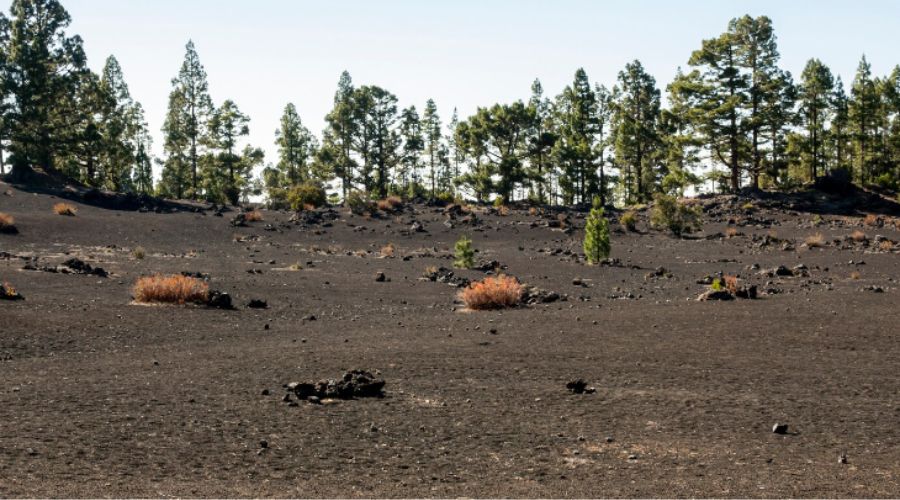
<point x="8" y="292"/>
<point x="858" y="236"/>
<point x="138" y="253"/>
<point x="629" y="220"/>
<point x="390" y="204"/>
<point x="7" y="223"/>
<point x="886" y="246"/>
<point x="872" y="220"/>
<point x="253" y="216"/>
<point x="493" y="292"/>
<point x="171" y="289"/>
<point x="387" y="251"/>
<point x="855" y="275"/>
<point x="731" y="232"/>
<point x="815" y="241"/>
<point x="732" y="284"/>
<point x="65" y="209"/>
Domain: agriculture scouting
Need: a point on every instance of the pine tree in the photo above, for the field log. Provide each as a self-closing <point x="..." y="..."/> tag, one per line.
<point x="863" y="115"/>
<point x="43" y="73"/>
<point x="637" y="143"/>
<point x="190" y="109"/>
<point x="596" y="234"/>
<point x="431" y="133"/>
<point x="816" y="89"/>
<point x="540" y="145"/>
<point x="411" y="152"/>
<point x="575" y="151"/>
<point x="226" y="170"/>
<point x="719" y="90"/>
<point x="296" y="148"/>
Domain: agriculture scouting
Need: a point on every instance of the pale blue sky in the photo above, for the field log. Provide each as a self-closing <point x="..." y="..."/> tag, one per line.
<point x="463" y="53"/>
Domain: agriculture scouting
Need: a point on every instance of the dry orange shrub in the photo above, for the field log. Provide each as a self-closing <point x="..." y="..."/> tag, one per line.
<point x="858" y="236"/>
<point x="64" y="209"/>
<point x="171" y="289"/>
<point x="816" y="240"/>
<point x="731" y="283"/>
<point x="872" y="220"/>
<point x="493" y="292"/>
<point x="253" y="216"/>
<point x="389" y="204"/>
<point x="6" y="221"/>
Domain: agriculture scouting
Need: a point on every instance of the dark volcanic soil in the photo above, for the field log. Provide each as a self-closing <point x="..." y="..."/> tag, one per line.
<point x="99" y="397"/>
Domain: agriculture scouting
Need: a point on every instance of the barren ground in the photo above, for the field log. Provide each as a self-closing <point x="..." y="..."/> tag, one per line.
<point x="99" y="397"/>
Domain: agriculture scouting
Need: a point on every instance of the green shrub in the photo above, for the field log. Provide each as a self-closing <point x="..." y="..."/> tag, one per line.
<point x="669" y="213"/>
<point x="464" y="253"/>
<point x="359" y="204"/>
<point x="306" y="195"/>
<point x="499" y="201"/>
<point x="596" y="234"/>
<point x="629" y="220"/>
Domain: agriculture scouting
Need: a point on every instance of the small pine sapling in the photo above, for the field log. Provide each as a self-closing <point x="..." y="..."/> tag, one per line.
<point x="465" y="254"/>
<point x="596" y="234"/>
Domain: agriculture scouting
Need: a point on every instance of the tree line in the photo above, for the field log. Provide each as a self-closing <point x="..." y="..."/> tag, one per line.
<point x="731" y="119"/>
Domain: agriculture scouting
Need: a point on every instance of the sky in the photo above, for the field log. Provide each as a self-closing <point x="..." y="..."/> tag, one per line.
<point x="263" y="54"/>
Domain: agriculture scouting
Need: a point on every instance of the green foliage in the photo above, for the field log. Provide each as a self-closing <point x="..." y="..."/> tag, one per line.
<point x="464" y="253"/>
<point x="717" y="285"/>
<point x="360" y="204"/>
<point x="499" y="202"/>
<point x="596" y="234"/>
<point x="305" y="195"/>
<point x="677" y="217"/>
<point x="629" y="220"/>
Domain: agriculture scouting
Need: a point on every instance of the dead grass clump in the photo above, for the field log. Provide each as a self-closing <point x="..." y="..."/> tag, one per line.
<point x="493" y="292"/>
<point x="9" y="292"/>
<point x="171" y="289"/>
<point x="858" y="236"/>
<point x="387" y="251"/>
<point x="815" y="241"/>
<point x="533" y="211"/>
<point x="138" y="253"/>
<point x="390" y="204"/>
<point x="855" y="275"/>
<point x="7" y="223"/>
<point x="65" y="209"/>
<point x="253" y="216"/>
<point x="732" y="284"/>
<point x="872" y="220"/>
<point x="886" y="246"/>
<point x="731" y="232"/>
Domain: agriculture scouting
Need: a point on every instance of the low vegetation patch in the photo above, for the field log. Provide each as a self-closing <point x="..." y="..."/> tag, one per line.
<point x="387" y="251"/>
<point x="138" y="253"/>
<point x="858" y="236"/>
<point x="629" y="220"/>
<point x="390" y="204"/>
<point x="9" y="292"/>
<point x="677" y="217"/>
<point x="171" y="289"/>
<point x="65" y="209"/>
<point x="731" y="232"/>
<point x="7" y="224"/>
<point x="815" y="241"/>
<point x="493" y="292"/>
<point x="253" y="216"/>
<point x="464" y="253"/>
<point x="872" y="220"/>
<point x="596" y="234"/>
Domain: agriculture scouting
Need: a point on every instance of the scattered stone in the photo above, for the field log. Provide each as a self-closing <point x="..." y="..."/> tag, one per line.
<point x="715" y="295"/>
<point x="842" y="458"/>
<point x="263" y="444"/>
<point x="780" y="428"/>
<point x="380" y="277"/>
<point x="354" y="384"/>
<point x="78" y="266"/>
<point x="219" y="300"/>
<point x="444" y="275"/>
<point x="533" y="295"/>
<point x="258" y="304"/>
<point x="265" y="392"/>
<point x="239" y="220"/>
<point x="579" y="386"/>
